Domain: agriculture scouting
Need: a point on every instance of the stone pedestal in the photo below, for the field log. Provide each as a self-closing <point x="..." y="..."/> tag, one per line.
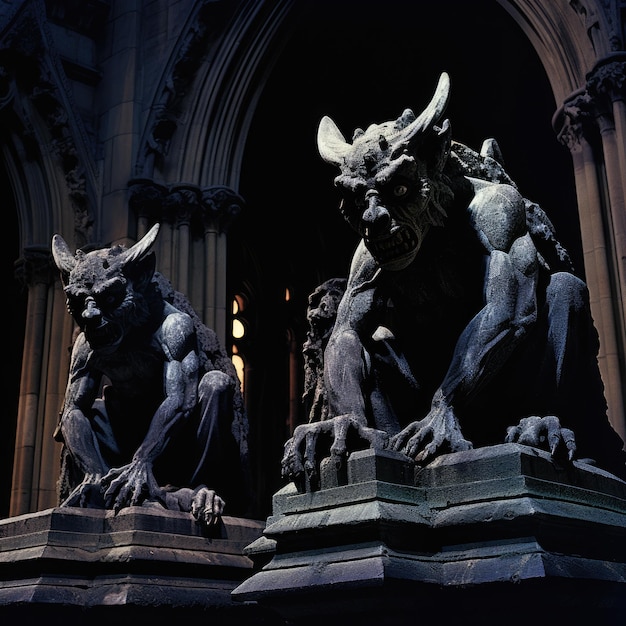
<point x="143" y="565"/>
<point x="498" y="535"/>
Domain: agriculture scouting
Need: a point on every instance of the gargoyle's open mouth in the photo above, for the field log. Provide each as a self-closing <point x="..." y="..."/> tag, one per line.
<point x="105" y="335"/>
<point x="396" y="251"/>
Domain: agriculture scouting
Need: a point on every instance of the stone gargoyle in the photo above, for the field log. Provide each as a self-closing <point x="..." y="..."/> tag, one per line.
<point x="153" y="411"/>
<point x="462" y="323"/>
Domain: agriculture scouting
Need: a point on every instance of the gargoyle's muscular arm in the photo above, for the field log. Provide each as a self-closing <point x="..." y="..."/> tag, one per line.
<point x="510" y="292"/>
<point x="180" y="381"/>
<point x="81" y="392"/>
<point x="344" y="374"/>
<point x="510" y="309"/>
<point x="358" y="316"/>
<point x="135" y="482"/>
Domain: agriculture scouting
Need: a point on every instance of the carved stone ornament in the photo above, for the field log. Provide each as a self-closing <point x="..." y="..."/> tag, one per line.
<point x="169" y="426"/>
<point x="462" y="324"/>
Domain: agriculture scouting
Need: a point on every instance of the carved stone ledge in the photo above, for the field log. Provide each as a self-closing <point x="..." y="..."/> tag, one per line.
<point x="142" y="562"/>
<point x="475" y="534"/>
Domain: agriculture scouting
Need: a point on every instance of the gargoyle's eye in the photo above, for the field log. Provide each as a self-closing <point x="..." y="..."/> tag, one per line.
<point x="400" y="190"/>
<point x="113" y="299"/>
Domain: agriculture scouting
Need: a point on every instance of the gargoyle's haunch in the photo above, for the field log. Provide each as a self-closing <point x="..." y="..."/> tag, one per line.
<point x="153" y="409"/>
<point x="462" y="323"/>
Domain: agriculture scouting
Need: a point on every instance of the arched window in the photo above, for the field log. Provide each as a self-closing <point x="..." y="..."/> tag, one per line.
<point x="238" y="335"/>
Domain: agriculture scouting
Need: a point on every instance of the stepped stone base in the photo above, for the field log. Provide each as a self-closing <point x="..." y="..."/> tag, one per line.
<point x="498" y="535"/>
<point x="145" y="563"/>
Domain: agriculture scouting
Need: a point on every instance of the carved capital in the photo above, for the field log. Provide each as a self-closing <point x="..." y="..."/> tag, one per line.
<point x="574" y="120"/>
<point x="220" y="206"/>
<point x="586" y="111"/>
<point x="210" y="208"/>
<point x="182" y="202"/>
<point x="607" y="82"/>
<point x="146" y="198"/>
<point x="35" y="266"/>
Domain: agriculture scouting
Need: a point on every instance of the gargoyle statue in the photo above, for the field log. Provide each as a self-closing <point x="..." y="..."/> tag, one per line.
<point x="462" y="323"/>
<point x="321" y="314"/>
<point x="153" y="411"/>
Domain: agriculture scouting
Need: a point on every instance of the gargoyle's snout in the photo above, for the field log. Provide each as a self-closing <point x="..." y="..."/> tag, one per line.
<point x="376" y="218"/>
<point x="91" y="310"/>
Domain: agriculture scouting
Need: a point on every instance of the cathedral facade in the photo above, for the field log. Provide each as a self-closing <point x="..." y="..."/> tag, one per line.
<point x="201" y="115"/>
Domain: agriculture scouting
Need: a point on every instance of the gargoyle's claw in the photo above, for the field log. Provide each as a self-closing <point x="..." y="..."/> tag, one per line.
<point x="301" y="454"/>
<point x="569" y="440"/>
<point x="340" y="432"/>
<point x="207" y="507"/>
<point x="309" y="453"/>
<point x="543" y="432"/>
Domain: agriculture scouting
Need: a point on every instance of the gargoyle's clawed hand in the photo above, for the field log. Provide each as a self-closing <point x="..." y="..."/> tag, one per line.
<point x="206" y="506"/>
<point x="88" y="494"/>
<point x="301" y="455"/>
<point x="130" y="485"/>
<point x="437" y="433"/>
<point x="545" y="433"/>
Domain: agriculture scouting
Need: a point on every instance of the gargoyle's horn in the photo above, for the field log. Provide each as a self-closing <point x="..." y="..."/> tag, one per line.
<point x="142" y="247"/>
<point x="331" y="143"/>
<point x="432" y="112"/>
<point x="62" y="255"/>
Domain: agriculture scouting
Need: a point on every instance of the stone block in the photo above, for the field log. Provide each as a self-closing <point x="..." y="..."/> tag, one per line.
<point x="139" y="561"/>
<point x="474" y="533"/>
<point x="383" y="465"/>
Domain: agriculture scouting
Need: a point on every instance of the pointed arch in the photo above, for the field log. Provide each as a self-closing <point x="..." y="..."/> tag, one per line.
<point x="581" y="48"/>
<point x="209" y="146"/>
<point x="560" y="32"/>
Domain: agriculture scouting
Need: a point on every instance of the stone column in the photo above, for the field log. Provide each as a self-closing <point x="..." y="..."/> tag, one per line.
<point x="183" y="202"/>
<point x="146" y="201"/>
<point x="184" y="210"/>
<point x="588" y="125"/>
<point x="220" y="205"/>
<point x="60" y="330"/>
<point x="35" y="271"/>
<point x="607" y="86"/>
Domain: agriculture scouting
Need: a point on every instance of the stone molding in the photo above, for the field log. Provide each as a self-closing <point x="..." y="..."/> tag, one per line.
<point x="577" y="118"/>
<point x="495" y="525"/>
<point x="30" y="64"/>
<point x="203" y="208"/>
<point x="140" y="558"/>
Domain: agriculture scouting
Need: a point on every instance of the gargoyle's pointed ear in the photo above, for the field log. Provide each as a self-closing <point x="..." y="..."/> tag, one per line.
<point x="331" y="144"/>
<point x="63" y="257"/>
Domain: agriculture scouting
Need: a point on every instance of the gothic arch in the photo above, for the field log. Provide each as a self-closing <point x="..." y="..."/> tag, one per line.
<point x="208" y="147"/>
<point x="205" y="132"/>
<point x="569" y="37"/>
<point x="581" y="48"/>
<point x="226" y="100"/>
<point x="54" y="187"/>
<point x="558" y="33"/>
